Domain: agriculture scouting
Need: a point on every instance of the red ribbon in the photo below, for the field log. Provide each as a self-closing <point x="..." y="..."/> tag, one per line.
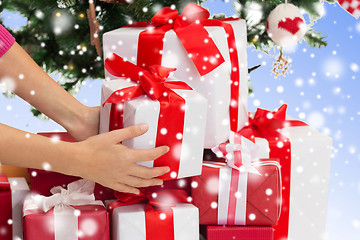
<point x="154" y="84"/>
<point x="159" y="219"/>
<point x="202" y="49"/>
<point x="5" y="207"/>
<point x="266" y="124"/>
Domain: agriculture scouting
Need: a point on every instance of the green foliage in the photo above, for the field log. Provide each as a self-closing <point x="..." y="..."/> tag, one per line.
<point x="314" y="39"/>
<point x="70" y="52"/>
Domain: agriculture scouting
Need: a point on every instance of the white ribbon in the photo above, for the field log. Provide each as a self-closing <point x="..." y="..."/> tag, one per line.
<point x="78" y="193"/>
<point x="248" y="151"/>
<point x="249" y="162"/>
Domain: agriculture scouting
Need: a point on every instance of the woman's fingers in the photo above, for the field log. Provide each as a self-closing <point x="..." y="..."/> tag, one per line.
<point x="141" y="182"/>
<point x="121" y="187"/>
<point x="151" y="154"/>
<point x="147" y="172"/>
<point x="117" y="136"/>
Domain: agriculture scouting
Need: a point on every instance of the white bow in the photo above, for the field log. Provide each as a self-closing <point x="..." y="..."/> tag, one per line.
<point x="80" y="192"/>
<point x="248" y="151"/>
<point x="66" y="222"/>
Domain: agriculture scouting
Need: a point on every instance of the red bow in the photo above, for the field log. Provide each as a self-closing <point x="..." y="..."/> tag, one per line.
<point x="151" y="82"/>
<point x="266" y="123"/>
<point x="161" y="199"/>
<point x="201" y="48"/>
<point x="191" y="13"/>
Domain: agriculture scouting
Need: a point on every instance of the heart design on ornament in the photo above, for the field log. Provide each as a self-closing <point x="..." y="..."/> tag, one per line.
<point x="291" y="25"/>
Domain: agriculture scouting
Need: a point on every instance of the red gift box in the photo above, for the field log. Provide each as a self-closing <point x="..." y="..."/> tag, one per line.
<point x="42" y="181"/>
<point x="261" y="204"/>
<point x="5" y="208"/>
<point x="71" y="213"/>
<point x="239" y="233"/>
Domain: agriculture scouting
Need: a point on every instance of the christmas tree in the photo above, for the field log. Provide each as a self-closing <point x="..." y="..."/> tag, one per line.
<point x="58" y="34"/>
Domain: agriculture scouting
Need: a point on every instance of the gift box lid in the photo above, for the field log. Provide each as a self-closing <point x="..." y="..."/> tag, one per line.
<point x="19" y="184"/>
<point x="239" y="232"/>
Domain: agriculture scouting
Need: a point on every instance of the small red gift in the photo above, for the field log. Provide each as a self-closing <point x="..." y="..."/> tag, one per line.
<point x="71" y="213"/>
<point x="233" y="194"/>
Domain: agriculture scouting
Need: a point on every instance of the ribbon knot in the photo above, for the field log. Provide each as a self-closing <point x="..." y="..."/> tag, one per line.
<point x="153" y="82"/>
<point x="158" y="200"/>
<point x="240" y="153"/>
<point x="80" y="192"/>
<point x="268" y="123"/>
<point x="192" y="12"/>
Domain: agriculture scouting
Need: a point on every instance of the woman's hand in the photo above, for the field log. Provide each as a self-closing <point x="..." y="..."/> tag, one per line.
<point x="104" y="160"/>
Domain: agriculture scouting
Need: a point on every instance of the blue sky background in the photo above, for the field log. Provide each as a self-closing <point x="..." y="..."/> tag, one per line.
<point x="322" y="89"/>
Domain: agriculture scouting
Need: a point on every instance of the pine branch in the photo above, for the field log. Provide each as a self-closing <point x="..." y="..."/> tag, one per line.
<point x="314" y="39"/>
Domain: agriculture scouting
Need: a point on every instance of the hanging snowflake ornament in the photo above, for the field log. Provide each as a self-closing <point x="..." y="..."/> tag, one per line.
<point x="281" y="66"/>
<point x="286" y="25"/>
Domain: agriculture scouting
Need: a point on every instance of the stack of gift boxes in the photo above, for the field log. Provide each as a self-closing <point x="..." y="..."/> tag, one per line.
<point x="234" y="175"/>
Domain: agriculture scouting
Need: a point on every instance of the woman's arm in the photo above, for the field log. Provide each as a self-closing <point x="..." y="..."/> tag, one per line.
<point x="36" y="87"/>
<point x="99" y="158"/>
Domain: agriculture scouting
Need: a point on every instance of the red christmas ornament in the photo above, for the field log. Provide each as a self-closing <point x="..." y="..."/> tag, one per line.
<point x="286" y="25"/>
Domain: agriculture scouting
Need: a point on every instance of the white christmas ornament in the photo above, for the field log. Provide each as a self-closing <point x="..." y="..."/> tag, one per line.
<point x="286" y="25"/>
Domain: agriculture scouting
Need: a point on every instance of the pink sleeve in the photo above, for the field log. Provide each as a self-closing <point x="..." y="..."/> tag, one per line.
<point x="6" y="41"/>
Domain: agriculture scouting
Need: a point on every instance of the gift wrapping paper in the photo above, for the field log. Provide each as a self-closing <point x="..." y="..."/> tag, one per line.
<point x="226" y="196"/>
<point x="215" y="85"/>
<point x="132" y="222"/>
<point x="42" y="181"/>
<point x="13" y="191"/>
<point x="144" y="110"/>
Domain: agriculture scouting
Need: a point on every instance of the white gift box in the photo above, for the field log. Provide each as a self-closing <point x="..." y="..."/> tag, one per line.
<point x="310" y="173"/>
<point x="128" y="222"/>
<point x="214" y="86"/>
<point x="144" y="110"/>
